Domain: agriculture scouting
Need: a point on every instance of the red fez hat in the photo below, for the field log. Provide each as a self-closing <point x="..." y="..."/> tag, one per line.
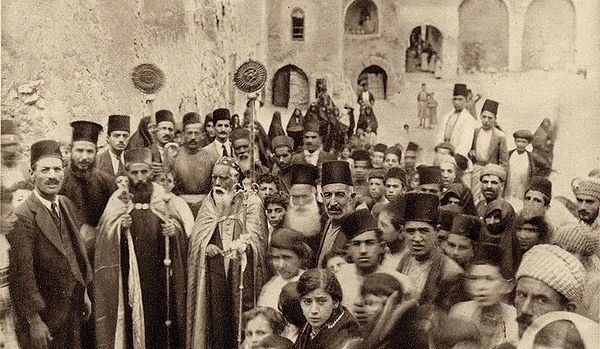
<point x="358" y="222"/>
<point x="460" y="90"/>
<point x="447" y="214"/>
<point x="164" y="115"/>
<point x="524" y="134"/>
<point x="221" y="114"/>
<point x="380" y="147"/>
<point x="190" y="118"/>
<point x="396" y="172"/>
<point x="541" y="184"/>
<point x="304" y="174"/>
<point x="239" y="133"/>
<point x="138" y="155"/>
<point x="486" y="253"/>
<point x="422" y="207"/>
<point x="118" y="123"/>
<point x="336" y="172"/>
<point x="430" y="174"/>
<point x="44" y="149"/>
<point x="86" y="131"/>
<point x="465" y="225"/>
<point x="491" y="106"/>
<point x="282" y="141"/>
<point x="288" y="239"/>
<point x="312" y="126"/>
<point x="377" y="173"/>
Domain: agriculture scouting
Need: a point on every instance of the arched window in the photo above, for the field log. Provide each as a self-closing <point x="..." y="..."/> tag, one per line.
<point x="298" y="25"/>
<point x="362" y="18"/>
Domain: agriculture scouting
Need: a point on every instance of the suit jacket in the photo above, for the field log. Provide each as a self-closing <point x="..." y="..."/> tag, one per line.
<point x="41" y="278"/>
<point x="216" y="153"/>
<point x="497" y="151"/>
<point x="298" y="158"/>
<point x="532" y="169"/>
<point x="462" y="135"/>
<point x="104" y="163"/>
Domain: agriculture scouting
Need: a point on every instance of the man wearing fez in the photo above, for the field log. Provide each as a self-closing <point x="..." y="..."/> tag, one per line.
<point x="521" y="165"/>
<point x="339" y="199"/>
<point x="395" y="183"/>
<point x="489" y="146"/>
<point x="457" y="127"/>
<point x="130" y="282"/>
<point x="426" y="265"/>
<point x="85" y="185"/>
<point x="118" y="130"/>
<point x="430" y="179"/>
<point x="163" y="134"/>
<point x="492" y="180"/>
<point x="221" y="146"/>
<point x="461" y="241"/>
<point x="13" y="169"/>
<point x="192" y="168"/>
<point x="49" y="269"/>
<point x="312" y="152"/>
<point x="282" y="147"/>
<point x="219" y="248"/>
<point x="410" y="156"/>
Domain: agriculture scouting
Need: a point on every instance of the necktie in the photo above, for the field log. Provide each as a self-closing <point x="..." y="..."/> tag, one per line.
<point x="225" y="151"/>
<point x="54" y="214"/>
<point x="120" y="168"/>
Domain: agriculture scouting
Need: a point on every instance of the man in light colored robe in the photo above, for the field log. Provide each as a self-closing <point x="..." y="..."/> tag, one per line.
<point x="458" y="126"/>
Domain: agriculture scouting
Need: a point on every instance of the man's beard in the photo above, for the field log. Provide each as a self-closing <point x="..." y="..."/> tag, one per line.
<point x="223" y="199"/>
<point x="81" y="172"/>
<point x="142" y="190"/>
<point x="304" y="219"/>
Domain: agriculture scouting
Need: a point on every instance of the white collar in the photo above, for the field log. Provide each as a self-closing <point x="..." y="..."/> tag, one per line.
<point x="45" y="202"/>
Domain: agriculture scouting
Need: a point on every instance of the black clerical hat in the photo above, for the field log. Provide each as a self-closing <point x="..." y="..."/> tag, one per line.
<point x="465" y="225"/>
<point x="86" y="131"/>
<point x="118" y="123"/>
<point x="336" y="172"/>
<point x="421" y="207"/>
<point x="304" y="174"/>
<point x="429" y="174"/>
<point x="137" y="155"/>
<point x="358" y="222"/>
<point x="43" y="149"/>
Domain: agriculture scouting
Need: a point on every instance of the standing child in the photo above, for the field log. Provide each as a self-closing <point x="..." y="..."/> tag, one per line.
<point x="432" y="105"/>
<point x="521" y="165"/>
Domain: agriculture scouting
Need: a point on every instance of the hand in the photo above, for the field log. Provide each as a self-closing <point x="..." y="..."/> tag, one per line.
<point x="360" y="314"/>
<point x="39" y="332"/>
<point x="126" y="221"/>
<point x="168" y="229"/>
<point x="213" y="250"/>
<point x="87" y="305"/>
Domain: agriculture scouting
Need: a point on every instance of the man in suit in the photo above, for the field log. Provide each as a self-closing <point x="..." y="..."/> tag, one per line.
<point x="164" y="133"/>
<point x="221" y="146"/>
<point x="521" y="165"/>
<point x="457" y="127"/>
<point x="118" y="131"/>
<point x="49" y="270"/>
<point x="312" y="152"/>
<point x="489" y="146"/>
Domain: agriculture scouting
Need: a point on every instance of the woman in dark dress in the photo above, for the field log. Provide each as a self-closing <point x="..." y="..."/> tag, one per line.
<point x="295" y="127"/>
<point x="329" y="325"/>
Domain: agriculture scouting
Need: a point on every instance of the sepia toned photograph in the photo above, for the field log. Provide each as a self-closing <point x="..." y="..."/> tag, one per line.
<point x="300" y="174"/>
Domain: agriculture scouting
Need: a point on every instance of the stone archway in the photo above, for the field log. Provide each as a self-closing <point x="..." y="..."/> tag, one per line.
<point x="290" y="87"/>
<point x="549" y="35"/>
<point x="483" y="35"/>
<point x="376" y="78"/>
<point x="427" y="39"/>
<point x="362" y="18"/>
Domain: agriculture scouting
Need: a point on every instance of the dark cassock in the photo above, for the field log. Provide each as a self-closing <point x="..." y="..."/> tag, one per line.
<point x="214" y="263"/>
<point x="130" y="276"/>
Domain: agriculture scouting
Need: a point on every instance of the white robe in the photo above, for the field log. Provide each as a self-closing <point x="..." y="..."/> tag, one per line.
<point x="462" y="135"/>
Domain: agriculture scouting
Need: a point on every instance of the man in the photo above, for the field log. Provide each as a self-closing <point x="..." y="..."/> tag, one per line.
<point x="458" y="126"/>
<point x="13" y="170"/>
<point x="49" y="269"/>
<point x="192" y="168"/>
<point x="118" y="131"/>
<point x="275" y="208"/>
<point x="248" y="161"/>
<point x="461" y="241"/>
<point x="377" y="187"/>
<point x="130" y="266"/>
<point x="217" y="242"/>
<point x="444" y="148"/>
<point x="430" y="179"/>
<point x="521" y="165"/>
<point x="366" y="250"/>
<point x="489" y="146"/>
<point x="163" y="134"/>
<point x="410" y="156"/>
<point x="422" y="102"/>
<point x="221" y="146"/>
<point x="378" y="155"/>
<point x="338" y="199"/>
<point x="267" y="185"/>
<point x="366" y="98"/>
<point x="360" y="170"/>
<point x="312" y="152"/>
<point x="492" y="180"/>
<point x="395" y="183"/>
<point x="282" y="147"/>
<point x="392" y="157"/>
<point x="426" y="264"/>
<point x="587" y="193"/>
<point x="538" y="193"/>
<point x="85" y="185"/>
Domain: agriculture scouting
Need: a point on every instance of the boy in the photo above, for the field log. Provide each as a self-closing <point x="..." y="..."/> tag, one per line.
<point x="275" y="209"/>
<point x="521" y="165"/>
<point x="392" y="157"/>
<point x="378" y="154"/>
<point x="267" y="185"/>
<point x="395" y="181"/>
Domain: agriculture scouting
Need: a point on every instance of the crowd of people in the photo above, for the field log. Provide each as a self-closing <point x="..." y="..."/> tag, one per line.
<point x="212" y="233"/>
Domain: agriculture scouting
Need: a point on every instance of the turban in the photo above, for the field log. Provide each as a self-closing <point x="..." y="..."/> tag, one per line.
<point x="589" y="186"/>
<point x="575" y="238"/>
<point x="493" y="169"/>
<point x="438" y="160"/>
<point x="556" y="268"/>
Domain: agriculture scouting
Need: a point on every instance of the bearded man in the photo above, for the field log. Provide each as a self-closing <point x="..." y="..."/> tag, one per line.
<point x="222" y="251"/>
<point x="240" y="140"/>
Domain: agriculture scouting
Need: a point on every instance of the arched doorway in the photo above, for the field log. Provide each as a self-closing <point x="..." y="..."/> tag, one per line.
<point x="549" y="35"/>
<point x="425" y="46"/>
<point x="290" y="87"/>
<point x="483" y="35"/>
<point x="376" y="78"/>
<point x="362" y="18"/>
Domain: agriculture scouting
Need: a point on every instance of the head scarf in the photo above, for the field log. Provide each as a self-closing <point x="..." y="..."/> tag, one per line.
<point x="463" y="193"/>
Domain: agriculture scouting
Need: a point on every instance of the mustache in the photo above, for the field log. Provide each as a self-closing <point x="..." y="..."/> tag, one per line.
<point x="53" y="182"/>
<point x="525" y="319"/>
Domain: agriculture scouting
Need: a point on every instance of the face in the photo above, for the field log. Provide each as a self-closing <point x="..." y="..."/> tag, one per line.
<point x="410" y="157"/>
<point x="587" y="207"/>
<point x="493" y="217"/>
<point x="422" y="238"/>
<point x="452" y="199"/>
<point x="83" y="155"/>
<point x="285" y="262"/>
<point x="365" y="250"/>
<point x="165" y="130"/>
<point x="414" y="180"/>
<point x="335" y="263"/>
<point x="222" y="180"/>
<point x="527" y="236"/>
<point x="393" y="188"/>
<point x="267" y="189"/>
<point x="283" y="156"/>
<point x="256" y="330"/>
<point x="191" y="136"/>
<point x="377" y="159"/>
<point x="10" y="151"/>
<point x="241" y="149"/>
<point x="521" y="143"/>
<point x="209" y="129"/>
<point x="222" y="130"/>
<point x="118" y="140"/>
<point x="376" y="188"/>
<point x="167" y="181"/>
<point x="534" y="298"/>
<point x="458" y="102"/>
<point x="448" y="173"/>
<point x="361" y="169"/>
<point x="345" y="153"/>
<point x="388" y="231"/>
<point x="486" y="284"/>
<point x="301" y="195"/>
<point x="47" y="176"/>
<point x="459" y="248"/>
<point x="317" y="307"/>
<point x="311" y="141"/>
<point x="373" y="306"/>
<point x="491" y="187"/>
<point x="275" y="214"/>
<point x="338" y="200"/>
<point x="488" y="120"/>
<point x="391" y="160"/>
<point x="139" y="173"/>
<point x="534" y="198"/>
<point x="431" y="188"/>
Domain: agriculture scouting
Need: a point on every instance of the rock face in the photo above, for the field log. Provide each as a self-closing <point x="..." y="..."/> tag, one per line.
<point x="64" y="60"/>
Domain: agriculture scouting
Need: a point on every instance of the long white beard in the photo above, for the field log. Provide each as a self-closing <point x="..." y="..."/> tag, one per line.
<point x="223" y="201"/>
<point x="304" y="219"/>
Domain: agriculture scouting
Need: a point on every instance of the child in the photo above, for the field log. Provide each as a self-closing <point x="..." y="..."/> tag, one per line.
<point x="370" y="136"/>
<point x="267" y="184"/>
<point x="378" y="154"/>
<point x="345" y="154"/>
<point x="521" y="166"/>
<point x="275" y="208"/>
